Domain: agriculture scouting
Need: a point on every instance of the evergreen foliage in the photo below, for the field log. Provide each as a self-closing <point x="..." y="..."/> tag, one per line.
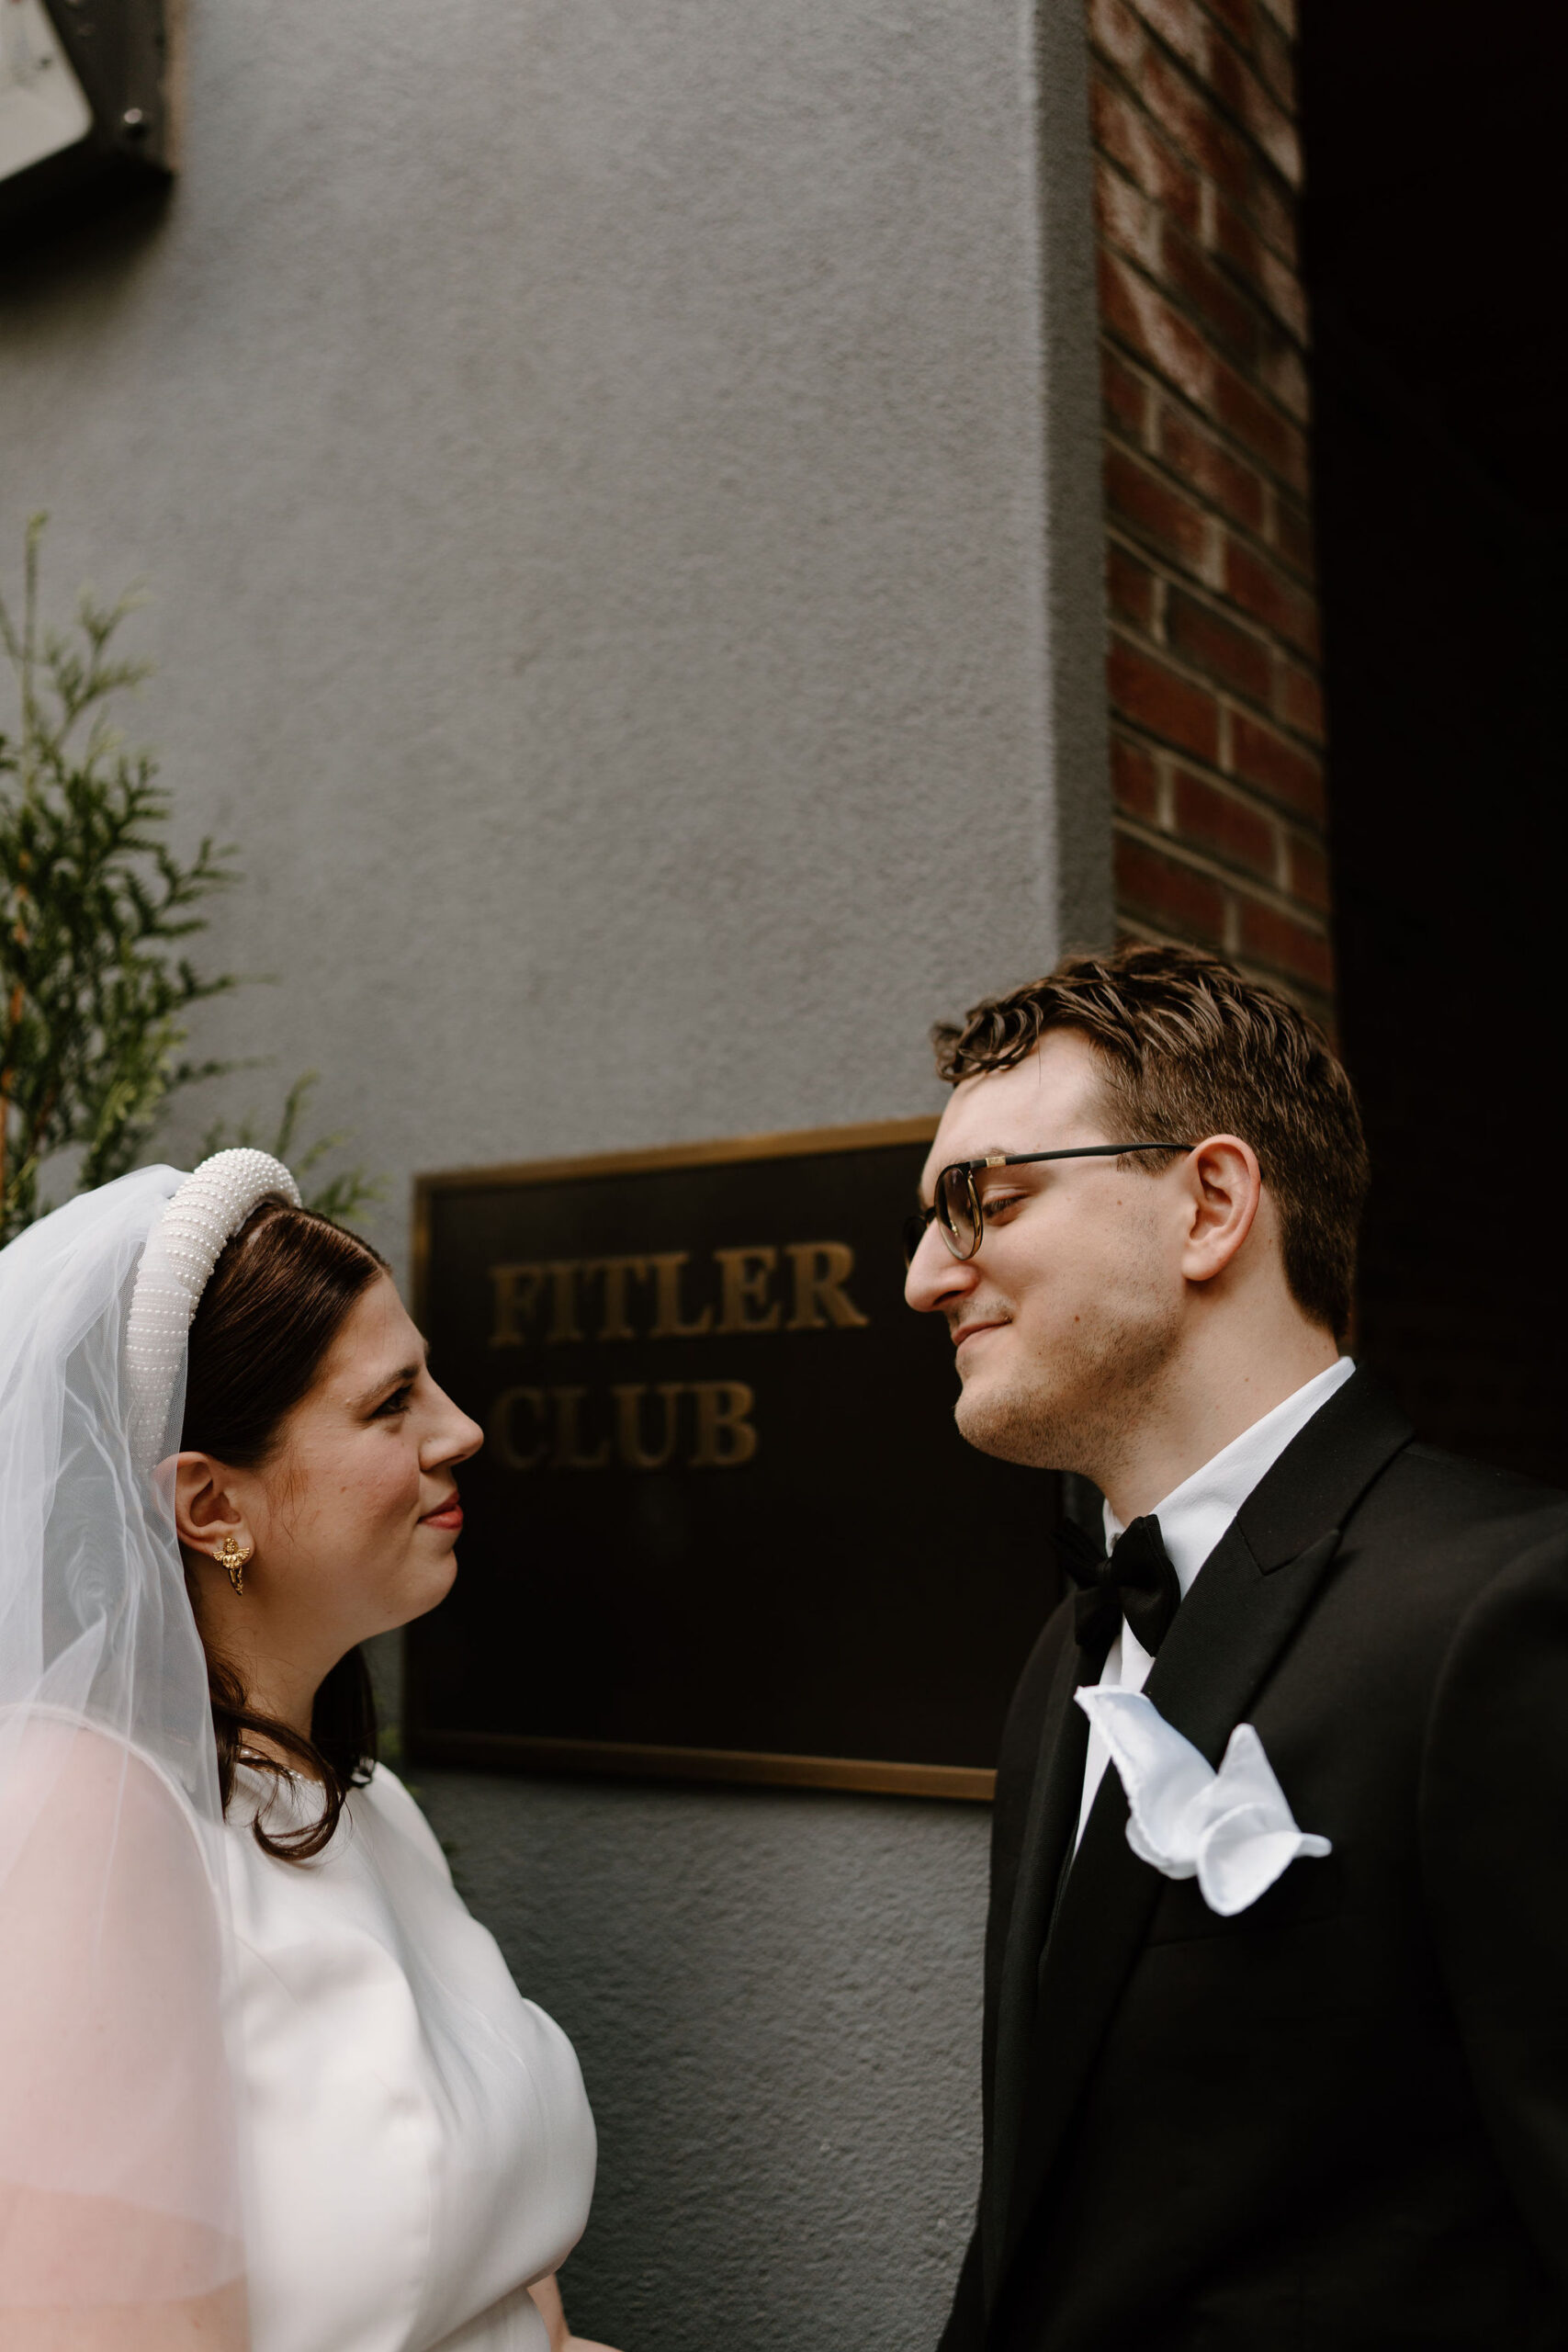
<point x="341" y="1196"/>
<point x="95" y="908"/>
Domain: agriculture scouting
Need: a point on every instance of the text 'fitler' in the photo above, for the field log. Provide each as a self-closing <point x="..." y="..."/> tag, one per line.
<point x="651" y="1296"/>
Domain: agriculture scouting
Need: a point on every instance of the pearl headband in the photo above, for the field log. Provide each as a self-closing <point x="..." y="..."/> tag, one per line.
<point x="177" y="1266"/>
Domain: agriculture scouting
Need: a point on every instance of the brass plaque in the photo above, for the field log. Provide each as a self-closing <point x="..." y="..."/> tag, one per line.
<point x="723" y="1526"/>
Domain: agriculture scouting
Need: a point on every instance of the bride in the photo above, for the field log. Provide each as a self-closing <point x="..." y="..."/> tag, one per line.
<point x="266" y="2083"/>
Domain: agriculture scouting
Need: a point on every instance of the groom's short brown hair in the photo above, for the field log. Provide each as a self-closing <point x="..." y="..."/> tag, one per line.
<point x="1190" y="1048"/>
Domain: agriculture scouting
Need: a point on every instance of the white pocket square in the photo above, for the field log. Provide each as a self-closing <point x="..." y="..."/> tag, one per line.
<point x="1232" y="1829"/>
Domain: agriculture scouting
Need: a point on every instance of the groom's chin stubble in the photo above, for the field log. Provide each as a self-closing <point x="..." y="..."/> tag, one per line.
<point x="1013" y="1428"/>
<point x="1076" y="1412"/>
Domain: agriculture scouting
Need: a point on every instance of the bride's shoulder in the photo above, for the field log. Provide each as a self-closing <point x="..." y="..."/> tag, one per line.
<point x="385" y="1801"/>
<point x="88" y="1777"/>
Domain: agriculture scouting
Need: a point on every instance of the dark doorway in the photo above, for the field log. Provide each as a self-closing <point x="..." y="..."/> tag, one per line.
<point x="1434" y="262"/>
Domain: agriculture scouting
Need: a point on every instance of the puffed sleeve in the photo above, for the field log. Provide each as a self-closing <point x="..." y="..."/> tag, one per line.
<point x="120" y="2214"/>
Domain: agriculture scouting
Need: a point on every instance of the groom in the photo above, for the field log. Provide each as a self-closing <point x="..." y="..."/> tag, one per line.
<point x="1224" y="2114"/>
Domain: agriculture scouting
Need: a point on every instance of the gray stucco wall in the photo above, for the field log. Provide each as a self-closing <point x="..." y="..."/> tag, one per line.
<point x="619" y="487"/>
<point x="775" y="1999"/>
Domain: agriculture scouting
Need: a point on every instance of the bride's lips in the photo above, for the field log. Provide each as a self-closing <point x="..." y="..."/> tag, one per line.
<point x="448" y="1517"/>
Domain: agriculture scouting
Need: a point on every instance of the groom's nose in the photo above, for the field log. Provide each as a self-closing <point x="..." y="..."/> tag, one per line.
<point x="936" y="1279"/>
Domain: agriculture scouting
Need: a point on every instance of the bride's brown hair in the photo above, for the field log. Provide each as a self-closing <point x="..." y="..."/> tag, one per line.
<point x="280" y="1294"/>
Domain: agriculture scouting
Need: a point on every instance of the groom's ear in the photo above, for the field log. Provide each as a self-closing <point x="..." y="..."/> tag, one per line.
<point x="1225" y="1187"/>
<point x="205" y="1509"/>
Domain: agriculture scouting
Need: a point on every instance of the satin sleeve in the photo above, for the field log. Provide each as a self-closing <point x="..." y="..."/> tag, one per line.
<point x="120" y="2205"/>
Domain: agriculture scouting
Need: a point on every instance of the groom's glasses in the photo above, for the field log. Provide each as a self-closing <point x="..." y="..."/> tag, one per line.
<point x="958" y="1208"/>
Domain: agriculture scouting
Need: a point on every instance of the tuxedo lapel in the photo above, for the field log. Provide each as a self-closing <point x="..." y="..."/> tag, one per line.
<point x="1053" y="1816"/>
<point x="1228" y="1634"/>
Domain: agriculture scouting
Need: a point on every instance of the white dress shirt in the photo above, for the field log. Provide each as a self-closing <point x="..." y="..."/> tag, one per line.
<point x="1192" y="1518"/>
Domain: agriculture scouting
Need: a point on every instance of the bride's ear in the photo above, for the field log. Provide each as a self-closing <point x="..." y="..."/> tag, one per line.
<point x="205" y="1509"/>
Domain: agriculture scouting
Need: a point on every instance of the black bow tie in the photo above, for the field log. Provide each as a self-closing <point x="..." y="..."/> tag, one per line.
<point x="1136" y="1582"/>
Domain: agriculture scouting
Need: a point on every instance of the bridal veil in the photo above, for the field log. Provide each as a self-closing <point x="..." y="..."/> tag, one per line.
<point x="119" y="2179"/>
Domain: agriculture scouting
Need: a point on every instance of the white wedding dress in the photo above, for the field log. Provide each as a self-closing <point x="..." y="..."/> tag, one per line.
<point x="418" y="2144"/>
<point x="230" y="2081"/>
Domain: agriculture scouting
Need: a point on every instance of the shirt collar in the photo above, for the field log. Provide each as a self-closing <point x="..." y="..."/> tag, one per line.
<point x="1195" y="1515"/>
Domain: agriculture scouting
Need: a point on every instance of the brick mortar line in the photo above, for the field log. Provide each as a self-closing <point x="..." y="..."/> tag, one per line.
<point x="1129" y="90"/>
<point x="1149" y="928"/>
<point x="1229" y="38"/>
<point x="1245" y="57"/>
<point x="1206" y="770"/>
<point x="1139" y="364"/>
<point x="1311" y="746"/>
<point x="1111" y="337"/>
<point x="1293" y="825"/>
<point x="1231" y="701"/>
<point x="1234" y="276"/>
<point x="1222" y="696"/>
<point x="1227" y="698"/>
<point x="1121" y="535"/>
<point x="1182" y="852"/>
<point x="1114" y="437"/>
<point x="1210" y="96"/>
<point x="1211" y="685"/>
<point x="1191" y="318"/>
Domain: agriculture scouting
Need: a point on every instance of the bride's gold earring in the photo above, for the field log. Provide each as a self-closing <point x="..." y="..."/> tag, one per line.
<point x="232" y="1555"/>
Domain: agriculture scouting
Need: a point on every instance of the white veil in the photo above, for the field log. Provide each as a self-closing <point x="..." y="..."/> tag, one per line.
<point x="120" y="2204"/>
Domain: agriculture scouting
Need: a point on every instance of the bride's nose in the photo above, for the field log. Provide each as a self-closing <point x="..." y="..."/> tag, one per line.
<point x="455" y="1436"/>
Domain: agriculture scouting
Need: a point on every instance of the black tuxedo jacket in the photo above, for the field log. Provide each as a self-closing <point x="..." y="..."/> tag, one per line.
<point x="1339" y="2119"/>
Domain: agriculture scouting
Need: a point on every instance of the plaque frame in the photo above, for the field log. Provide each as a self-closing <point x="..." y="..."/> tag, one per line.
<point x="552" y="1755"/>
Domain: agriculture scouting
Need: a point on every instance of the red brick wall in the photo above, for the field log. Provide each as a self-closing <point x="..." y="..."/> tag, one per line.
<point x="1216" y="721"/>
